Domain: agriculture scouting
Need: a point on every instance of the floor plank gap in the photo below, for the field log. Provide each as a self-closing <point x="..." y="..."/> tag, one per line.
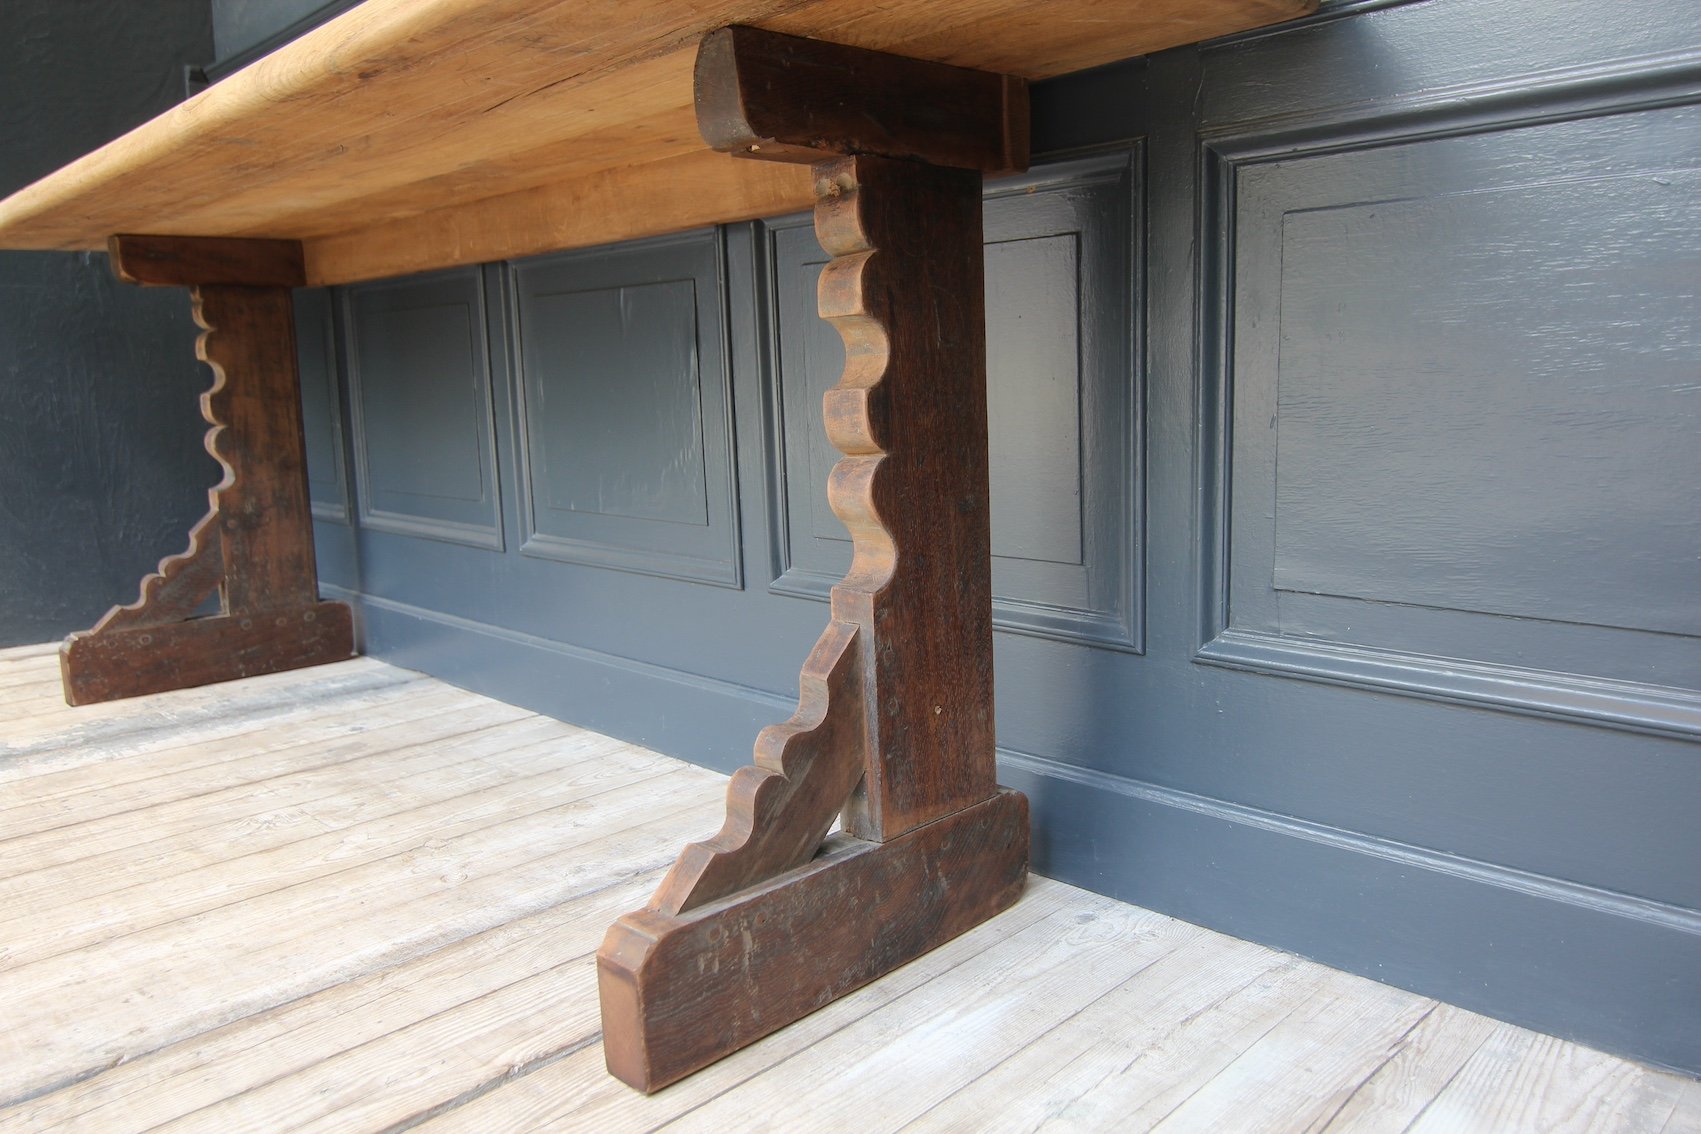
<point x="355" y="898"/>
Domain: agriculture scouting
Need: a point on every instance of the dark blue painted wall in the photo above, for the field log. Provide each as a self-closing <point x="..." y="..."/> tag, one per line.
<point x="101" y="465"/>
<point x="1345" y="428"/>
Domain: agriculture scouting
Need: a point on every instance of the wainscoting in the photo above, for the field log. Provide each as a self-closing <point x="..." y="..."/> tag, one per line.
<point x="1344" y="416"/>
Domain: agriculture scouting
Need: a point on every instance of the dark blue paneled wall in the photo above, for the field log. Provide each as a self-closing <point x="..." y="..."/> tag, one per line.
<point x="1345" y="435"/>
<point x="101" y="465"/>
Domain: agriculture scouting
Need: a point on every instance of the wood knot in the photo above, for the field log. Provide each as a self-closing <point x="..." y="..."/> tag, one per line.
<point x="836" y="185"/>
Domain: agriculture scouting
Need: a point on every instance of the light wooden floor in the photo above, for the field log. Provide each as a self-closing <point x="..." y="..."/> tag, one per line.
<point x="354" y="898"/>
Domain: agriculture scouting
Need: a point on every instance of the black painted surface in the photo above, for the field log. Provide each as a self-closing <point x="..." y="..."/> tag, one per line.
<point x="101" y="466"/>
<point x="575" y="604"/>
<point x="1369" y="347"/>
<point x="316" y="349"/>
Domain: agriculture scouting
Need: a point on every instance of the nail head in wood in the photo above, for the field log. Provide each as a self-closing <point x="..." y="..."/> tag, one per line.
<point x="190" y="261"/>
<point x="782" y="98"/>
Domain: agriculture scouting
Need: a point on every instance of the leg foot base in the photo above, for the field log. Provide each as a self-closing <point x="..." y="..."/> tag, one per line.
<point x="111" y="664"/>
<point x="679" y="992"/>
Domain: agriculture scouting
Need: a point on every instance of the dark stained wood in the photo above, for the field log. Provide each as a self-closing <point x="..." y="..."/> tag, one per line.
<point x="781" y="807"/>
<point x="909" y="414"/>
<point x="179" y="587"/>
<point x="680" y="991"/>
<point x="784" y="98"/>
<point x="189" y="261"/>
<point x="133" y="662"/>
<point x="905" y="291"/>
<point x="255" y="544"/>
<point x="264" y="514"/>
<point x="748" y="932"/>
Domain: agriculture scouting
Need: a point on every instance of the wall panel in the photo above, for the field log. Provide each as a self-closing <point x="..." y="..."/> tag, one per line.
<point x="1062" y="403"/>
<point x="625" y="410"/>
<point x="321" y="405"/>
<point x="419" y="381"/>
<point x="1462" y="412"/>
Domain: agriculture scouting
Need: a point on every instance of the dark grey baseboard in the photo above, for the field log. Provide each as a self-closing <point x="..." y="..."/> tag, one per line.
<point x="707" y="722"/>
<point x="1613" y="971"/>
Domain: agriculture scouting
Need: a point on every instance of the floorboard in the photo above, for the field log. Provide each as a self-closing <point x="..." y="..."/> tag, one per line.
<point x="356" y="899"/>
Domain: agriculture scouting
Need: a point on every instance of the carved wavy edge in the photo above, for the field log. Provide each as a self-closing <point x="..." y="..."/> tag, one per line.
<point x="854" y="409"/>
<point x="179" y="585"/>
<point x="781" y="807"/>
<point x="214" y="401"/>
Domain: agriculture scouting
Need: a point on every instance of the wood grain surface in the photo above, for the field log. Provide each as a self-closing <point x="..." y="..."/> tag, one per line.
<point x="782" y="98"/>
<point x="189" y="261"/>
<point x="397" y="109"/>
<point x="255" y="544"/>
<point x="781" y="806"/>
<point x="896" y="698"/>
<point x="334" y="899"/>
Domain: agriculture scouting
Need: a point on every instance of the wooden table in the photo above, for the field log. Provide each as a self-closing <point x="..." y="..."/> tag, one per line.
<point x="406" y="135"/>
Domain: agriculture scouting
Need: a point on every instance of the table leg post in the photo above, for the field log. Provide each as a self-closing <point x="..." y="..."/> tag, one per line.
<point x="763" y="923"/>
<point x="254" y="547"/>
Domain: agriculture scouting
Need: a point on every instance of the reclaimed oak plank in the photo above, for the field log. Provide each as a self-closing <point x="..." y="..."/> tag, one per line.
<point x="437" y="1002"/>
<point x="1106" y="1038"/>
<point x="28" y="650"/>
<point x="1522" y="1080"/>
<point x="1299" y="1071"/>
<point x="938" y="1039"/>
<point x="399" y="109"/>
<point x="390" y="776"/>
<point x="1195" y="1047"/>
<point x="310" y="1033"/>
<point x="66" y="836"/>
<point x="95" y="788"/>
<point x="250" y="956"/>
<point x="1686" y="1114"/>
<point x="1393" y="1096"/>
<point x="96" y="733"/>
